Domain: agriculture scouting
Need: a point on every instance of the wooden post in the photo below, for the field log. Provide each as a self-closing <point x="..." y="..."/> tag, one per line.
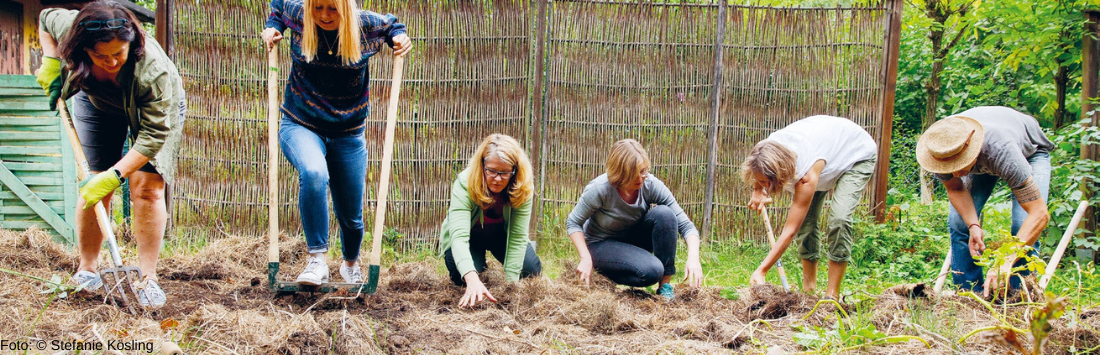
<point x="716" y="108"/>
<point x="893" y="46"/>
<point x="164" y="26"/>
<point x="539" y="114"/>
<point x="1090" y="67"/>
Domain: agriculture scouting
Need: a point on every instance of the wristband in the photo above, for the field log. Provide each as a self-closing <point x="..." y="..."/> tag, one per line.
<point x="118" y="174"/>
<point x="972" y="226"/>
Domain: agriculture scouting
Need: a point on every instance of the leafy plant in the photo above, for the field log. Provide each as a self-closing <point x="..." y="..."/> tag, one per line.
<point x="847" y="334"/>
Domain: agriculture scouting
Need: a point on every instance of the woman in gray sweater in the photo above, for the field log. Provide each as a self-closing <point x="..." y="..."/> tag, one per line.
<point x="626" y="223"/>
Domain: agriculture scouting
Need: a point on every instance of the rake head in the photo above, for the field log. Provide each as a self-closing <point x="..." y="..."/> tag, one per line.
<point x="120" y="281"/>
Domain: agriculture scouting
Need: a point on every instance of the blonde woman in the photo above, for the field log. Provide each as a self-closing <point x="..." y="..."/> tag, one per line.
<point x="490" y="211"/>
<point x="626" y="223"/>
<point x="324" y="110"/>
<point x="810" y="157"/>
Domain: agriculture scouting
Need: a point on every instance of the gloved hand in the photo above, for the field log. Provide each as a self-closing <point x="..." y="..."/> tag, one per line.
<point x="49" y="77"/>
<point x="95" y="187"/>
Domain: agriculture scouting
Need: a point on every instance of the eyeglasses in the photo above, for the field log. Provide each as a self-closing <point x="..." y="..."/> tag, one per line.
<point x="98" y="25"/>
<point x="490" y="173"/>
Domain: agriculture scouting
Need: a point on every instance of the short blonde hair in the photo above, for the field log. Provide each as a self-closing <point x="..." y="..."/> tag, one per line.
<point x="347" y="35"/>
<point x="626" y="161"/>
<point x="520" y="188"/>
<point x="772" y="160"/>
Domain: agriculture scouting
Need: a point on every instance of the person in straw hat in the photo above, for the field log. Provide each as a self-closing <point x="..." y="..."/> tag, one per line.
<point x="810" y="157"/>
<point x="969" y="152"/>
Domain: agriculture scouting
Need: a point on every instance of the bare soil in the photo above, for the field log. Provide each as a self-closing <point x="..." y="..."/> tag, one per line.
<point x="219" y="303"/>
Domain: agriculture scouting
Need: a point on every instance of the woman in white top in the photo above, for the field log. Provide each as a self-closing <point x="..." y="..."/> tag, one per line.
<point x="810" y="157"/>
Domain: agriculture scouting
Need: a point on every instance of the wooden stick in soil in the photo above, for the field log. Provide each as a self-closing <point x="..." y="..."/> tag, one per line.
<point x="384" y="176"/>
<point x="1053" y="265"/>
<point x="778" y="263"/>
<point x="944" y="270"/>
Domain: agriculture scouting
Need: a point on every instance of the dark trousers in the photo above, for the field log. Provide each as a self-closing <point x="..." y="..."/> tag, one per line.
<point x="493" y="239"/>
<point x="643" y="255"/>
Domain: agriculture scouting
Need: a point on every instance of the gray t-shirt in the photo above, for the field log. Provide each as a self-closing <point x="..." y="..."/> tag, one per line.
<point x="1011" y="137"/>
<point x="604" y="215"/>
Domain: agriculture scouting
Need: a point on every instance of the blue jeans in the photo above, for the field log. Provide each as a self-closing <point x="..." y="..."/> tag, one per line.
<point x="322" y="162"/>
<point x="643" y="255"/>
<point x="969" y="276"/>
<point x="494" y="240"/>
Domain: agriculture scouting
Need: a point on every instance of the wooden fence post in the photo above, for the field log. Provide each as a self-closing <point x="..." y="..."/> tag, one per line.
<point x="893" y="44"/>
<point x="716" y="107"/>
<point x="1090" y="67"/>
<point x="539" y="114"/>
<point x="163" y="22"/>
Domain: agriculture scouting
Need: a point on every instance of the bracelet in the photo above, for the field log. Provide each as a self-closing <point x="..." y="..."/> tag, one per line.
<point x="972" y="226"/>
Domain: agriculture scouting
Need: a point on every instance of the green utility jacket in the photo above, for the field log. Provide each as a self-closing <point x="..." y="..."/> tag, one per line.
<point x="463" y="212"/>
<point x="153" y="99"/>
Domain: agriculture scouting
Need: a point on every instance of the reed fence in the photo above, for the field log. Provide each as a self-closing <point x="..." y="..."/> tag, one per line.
<point x="697" y="82"/>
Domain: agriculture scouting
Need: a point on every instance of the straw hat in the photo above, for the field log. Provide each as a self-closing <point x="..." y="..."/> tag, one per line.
<point x="950" y="144"/>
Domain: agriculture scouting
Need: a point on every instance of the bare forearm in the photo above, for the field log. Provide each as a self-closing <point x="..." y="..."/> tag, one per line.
<point x="49" y="44"/>
<point x="692" y="242"/>
<point x="776" y="252"/>
<point x="960" y="199"/>
<point x="131" y="162"/>
<point x="579" y="243"/>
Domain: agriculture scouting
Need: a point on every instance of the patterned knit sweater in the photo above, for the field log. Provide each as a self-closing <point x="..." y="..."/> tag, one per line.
<point x="325" y="95"/>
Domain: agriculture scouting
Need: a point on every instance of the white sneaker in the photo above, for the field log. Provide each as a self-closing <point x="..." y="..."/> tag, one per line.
<point x="149" y="293"/>
<point x="89" y="280"/>
<point x="316" y="272"/>
<point x="351" y="274"/>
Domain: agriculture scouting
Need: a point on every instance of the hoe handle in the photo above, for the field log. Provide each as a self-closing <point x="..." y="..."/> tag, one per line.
<point x="273" y="155"/>
<point x="1057" y="257"/>
<point x="771" y="239"/>
<point x="387" y="158"/>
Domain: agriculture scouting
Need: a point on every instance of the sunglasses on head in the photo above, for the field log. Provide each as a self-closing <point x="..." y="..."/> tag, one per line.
<point x="98" y="25"/>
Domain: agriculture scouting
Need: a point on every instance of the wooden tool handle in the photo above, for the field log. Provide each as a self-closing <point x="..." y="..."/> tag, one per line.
<point x="273" y="155"/>
<point x="82" y="172"/>
<point x="944" y="270"/>
<point x="771" y="240"/>
<point x="1066" y="237"/>
<point x="387" y="159"/>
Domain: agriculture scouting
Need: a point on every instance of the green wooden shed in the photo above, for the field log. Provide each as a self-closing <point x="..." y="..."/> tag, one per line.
<point x="37" y="168"/>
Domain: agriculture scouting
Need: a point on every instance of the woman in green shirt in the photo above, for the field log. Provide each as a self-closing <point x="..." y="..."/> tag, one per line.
<point x="490" y="211"/>
<point x="120" y="81"/>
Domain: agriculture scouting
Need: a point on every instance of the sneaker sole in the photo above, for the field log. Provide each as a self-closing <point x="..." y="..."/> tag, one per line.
<point x="311" y="282"/>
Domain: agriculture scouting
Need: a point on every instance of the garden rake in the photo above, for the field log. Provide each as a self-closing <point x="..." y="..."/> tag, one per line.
<point x="118" y="278"/>
<point x="778" y="263"/>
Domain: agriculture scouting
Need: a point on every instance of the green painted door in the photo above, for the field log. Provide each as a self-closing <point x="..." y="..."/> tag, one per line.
<point x="37" y="170"/>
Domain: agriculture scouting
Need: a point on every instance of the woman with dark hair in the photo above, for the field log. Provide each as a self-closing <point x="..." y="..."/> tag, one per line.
<point x="120" y="80"/>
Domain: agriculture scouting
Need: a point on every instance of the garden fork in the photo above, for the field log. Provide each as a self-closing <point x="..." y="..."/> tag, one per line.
<point x="118" y="278"/>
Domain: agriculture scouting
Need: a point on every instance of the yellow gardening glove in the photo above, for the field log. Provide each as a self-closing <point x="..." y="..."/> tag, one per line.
<point x="48" y="72"/>
<point x="94" y="188"/>
<point x="49" y="77"/>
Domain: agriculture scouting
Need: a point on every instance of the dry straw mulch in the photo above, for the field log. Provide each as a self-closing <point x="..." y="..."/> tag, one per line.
<point x="219" y="304"/>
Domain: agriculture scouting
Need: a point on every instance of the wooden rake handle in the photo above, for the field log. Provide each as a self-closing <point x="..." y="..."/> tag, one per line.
<point x="273" y="155"/>
<point x="387" y="159"/>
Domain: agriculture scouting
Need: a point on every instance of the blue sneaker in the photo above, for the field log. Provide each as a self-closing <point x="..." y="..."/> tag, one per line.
<point x="666" y="292"/>
<point x="89" y="281"/>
